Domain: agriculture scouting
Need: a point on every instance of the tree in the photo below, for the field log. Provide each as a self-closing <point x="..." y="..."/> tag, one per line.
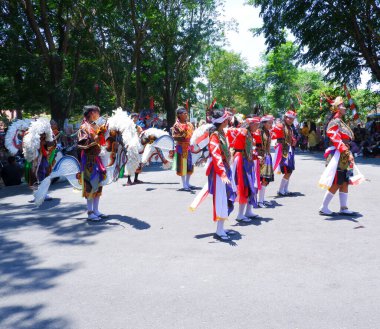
<point x="342" y="36"/>
<point x="281" y="75"/>
<point x="183" y="33"/>
<point x="225" y="75"/>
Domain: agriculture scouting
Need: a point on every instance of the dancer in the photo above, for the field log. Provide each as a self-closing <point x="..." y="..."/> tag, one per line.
<point x="253" y="128"/>
<point x="240" y="141"/>
<point x="135" y="117"/>
<point x="340" y="161"/>
<point x="263" y="143"/>
<point x="38" y="146"/>
<point x="92" y="170"/>
<point x="220" y="180"/>
<point x="182" y="132"/>
<point x="285" y="149"/>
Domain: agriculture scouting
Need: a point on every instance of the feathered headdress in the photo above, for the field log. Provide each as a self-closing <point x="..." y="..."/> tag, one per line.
<point x="32" y="142"/>
<point x="120" y="121"/>
<point x="11" y="141"/>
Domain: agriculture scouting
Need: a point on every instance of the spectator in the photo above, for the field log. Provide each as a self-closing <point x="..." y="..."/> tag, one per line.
<point x="11" y="173"/>
<point x="304" y="134"/>
<point x="312" y="138"/>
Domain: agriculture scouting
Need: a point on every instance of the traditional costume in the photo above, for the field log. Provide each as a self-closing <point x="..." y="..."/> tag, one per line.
<point x="263" y="143"/>
<point x="92" y="170"/>
<point x="182" y="132"/>
<point x="256" y="144"/>
<point x="240" y="141"/>
<point x="38" y="148"/>
<point x="218" y="169"/>
<point x="285" y="150"/>
<point x="339" y="162"/>
<point x="138" y="170"/>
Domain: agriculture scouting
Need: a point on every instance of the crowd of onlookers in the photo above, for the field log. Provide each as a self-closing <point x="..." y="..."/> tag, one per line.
<point x="312" y="137"/>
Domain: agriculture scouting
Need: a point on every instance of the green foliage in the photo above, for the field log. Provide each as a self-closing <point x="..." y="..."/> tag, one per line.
<point x="342" y="36"/>
<point x="53" y="53"/>
<point x="225" y="74"/>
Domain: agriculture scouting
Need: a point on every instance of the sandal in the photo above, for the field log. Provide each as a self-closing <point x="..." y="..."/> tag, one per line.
<point x="222" y="238"/>
<point x="243" y="220"/>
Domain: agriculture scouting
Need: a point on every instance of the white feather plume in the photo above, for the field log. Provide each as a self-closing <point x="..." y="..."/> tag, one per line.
<point x="199" y="132"/>
<point x="155" y="132"/>
<point x="12" y="131"/>
<point x="120" y="121"/>
<point x="31" y="142"/>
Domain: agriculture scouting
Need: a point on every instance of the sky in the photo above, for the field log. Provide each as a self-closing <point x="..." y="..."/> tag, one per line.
<point x="244" y="42"/>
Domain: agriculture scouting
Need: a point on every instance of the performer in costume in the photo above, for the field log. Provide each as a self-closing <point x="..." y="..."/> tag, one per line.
<point x="135" y="117"/>
<point x="285" y="148"/>
<point x="56" y="136"/>
<point x="38" y="147"/>
<point x="263" y="143"/>
<point x="93" y="172"/>
<point x="253" y="128"/>
<point x="182" y="132"/>
<point x="220" y="184"/>
<point x="340" y="161"/>
<point x="240" y="141"/>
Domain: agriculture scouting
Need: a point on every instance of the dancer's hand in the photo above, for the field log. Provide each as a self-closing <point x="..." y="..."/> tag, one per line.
<point x="351" y="158"/>
<point x="225" y="180"/>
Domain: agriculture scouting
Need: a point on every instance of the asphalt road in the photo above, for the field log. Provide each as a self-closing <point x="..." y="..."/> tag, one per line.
<point x="154" y="264"/>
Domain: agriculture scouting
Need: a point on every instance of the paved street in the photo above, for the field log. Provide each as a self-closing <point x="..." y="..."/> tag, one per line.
<point x="154" y="264"/>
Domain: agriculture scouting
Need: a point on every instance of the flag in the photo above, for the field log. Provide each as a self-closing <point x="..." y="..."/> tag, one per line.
<point x="151" y="103"/>
<point x="213" y="103"/>
<point x="351" y="103"/>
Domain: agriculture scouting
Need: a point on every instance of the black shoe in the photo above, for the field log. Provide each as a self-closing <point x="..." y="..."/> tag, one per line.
<point x="333" y="214"/>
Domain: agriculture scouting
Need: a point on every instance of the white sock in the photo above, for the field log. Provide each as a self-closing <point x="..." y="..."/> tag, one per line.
<point x="220" y="227"/>
<point x="249" y="211"/>
<point x="343" y="200"/>
<point x="96" y="206"/>
<point x="184" y="181"/>
<point x="188" y="180"/>
<point x="262" y="194"/>
<point x="283" y="185"/>
<point x="241" y="210"/>
<point x="286" y="187"/>
<point x="90" y="203"/>
<point x="326" y="201"/>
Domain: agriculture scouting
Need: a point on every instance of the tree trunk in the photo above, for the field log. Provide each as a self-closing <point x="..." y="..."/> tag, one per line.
<point x="59" y="112"/>
<point x="170" y="103"/>
<point x="139" y="94"/>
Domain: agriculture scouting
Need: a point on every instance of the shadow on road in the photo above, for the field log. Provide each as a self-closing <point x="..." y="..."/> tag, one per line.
<point x="21" y="272"/>
<point x="254" y="221"/>
<point x="28" y="317"/>
<point x="294" y="195"/>
<point x="136" y="223"/>
<point x="234" y="236"/>
<point x="344" y="217"/>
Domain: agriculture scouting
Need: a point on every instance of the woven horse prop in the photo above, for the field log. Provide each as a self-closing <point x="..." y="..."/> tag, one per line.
<point x="157" y="143"/>
<point x="199" y="144"/>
